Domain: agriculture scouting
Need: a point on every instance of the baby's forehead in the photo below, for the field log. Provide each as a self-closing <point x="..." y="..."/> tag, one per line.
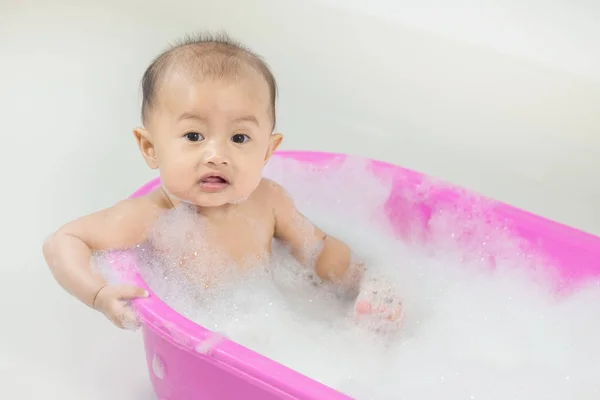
<point x="190" y="73"/>
<point x="184" y="89"/>
<point x="182" y="85"/>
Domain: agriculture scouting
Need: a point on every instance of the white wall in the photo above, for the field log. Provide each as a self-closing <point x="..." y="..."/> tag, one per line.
<point x="352" y="82"/>
<point x="491" y="99"/>
<point x="559" y="34"/>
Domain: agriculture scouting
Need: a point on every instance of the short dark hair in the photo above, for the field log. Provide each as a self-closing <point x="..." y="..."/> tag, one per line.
<point x="215" y="55"/>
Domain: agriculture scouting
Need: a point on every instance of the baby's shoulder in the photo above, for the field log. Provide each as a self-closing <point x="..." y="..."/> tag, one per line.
<point x="268" y="190"/>
<point x="272" y="195"/>
<point x="122" y="225"/>
<point x="147" y="207"/>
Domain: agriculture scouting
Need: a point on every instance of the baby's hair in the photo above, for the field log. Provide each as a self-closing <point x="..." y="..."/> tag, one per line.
<point x="216" y="56"/>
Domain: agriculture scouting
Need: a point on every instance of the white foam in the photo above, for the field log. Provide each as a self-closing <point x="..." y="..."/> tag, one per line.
<point x="469" y="332"/>
<point x="158" y="367"/>
<point x="205" y="347"/>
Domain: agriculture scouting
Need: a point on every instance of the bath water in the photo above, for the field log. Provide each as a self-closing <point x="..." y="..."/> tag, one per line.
<point x="469" y="331"/>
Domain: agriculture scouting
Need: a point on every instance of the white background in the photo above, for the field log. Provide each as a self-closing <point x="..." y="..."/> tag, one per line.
<point x="503" y="99"/>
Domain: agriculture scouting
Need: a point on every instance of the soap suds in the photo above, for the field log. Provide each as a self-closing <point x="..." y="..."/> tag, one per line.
<point x="482" y="319"/>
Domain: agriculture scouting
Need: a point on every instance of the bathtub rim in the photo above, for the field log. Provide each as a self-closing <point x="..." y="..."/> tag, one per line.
<point x="185" y="334"/>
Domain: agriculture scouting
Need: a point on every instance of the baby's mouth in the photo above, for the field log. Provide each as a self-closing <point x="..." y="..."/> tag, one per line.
<point x="213" y="179"/>
<point x="213" y="183"/>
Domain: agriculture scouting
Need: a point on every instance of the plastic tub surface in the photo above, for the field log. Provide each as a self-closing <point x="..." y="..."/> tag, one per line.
<point x="187" y="362"/>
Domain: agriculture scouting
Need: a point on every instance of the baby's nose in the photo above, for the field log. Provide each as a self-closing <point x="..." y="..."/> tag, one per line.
<point x="215" y="159"/>
<point x="215" y="155"/>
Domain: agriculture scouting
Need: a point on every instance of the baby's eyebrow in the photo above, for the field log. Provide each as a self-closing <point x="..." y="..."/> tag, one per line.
<point x="188" y="115"/>
<point x="248" y="118"/>
<point x="245" y="118"/>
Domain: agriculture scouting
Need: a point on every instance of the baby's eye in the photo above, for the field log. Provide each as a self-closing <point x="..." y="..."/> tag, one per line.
<point x="240" y="138"/>
<point x="194" y="136"/>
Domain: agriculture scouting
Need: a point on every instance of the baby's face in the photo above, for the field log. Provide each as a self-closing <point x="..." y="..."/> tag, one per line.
<point x="212" y="137"/>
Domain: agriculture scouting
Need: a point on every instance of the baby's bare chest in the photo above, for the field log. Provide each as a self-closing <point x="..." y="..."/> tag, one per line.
<point x="239" y="238"/>
<point x="242" y="239"/>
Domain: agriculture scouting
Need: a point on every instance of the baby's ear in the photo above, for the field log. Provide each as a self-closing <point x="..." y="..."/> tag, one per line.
<point x="274" y="142"/>
<point x="146" y="147"/>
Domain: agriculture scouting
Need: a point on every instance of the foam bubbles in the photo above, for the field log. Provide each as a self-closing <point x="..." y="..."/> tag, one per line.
<point x="207" y="346"/>
<point x="469" y="331"/>
<point x="158" y="367"/>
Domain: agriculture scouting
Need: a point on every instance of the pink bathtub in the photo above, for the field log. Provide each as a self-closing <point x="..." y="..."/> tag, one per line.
<point x="185" y="362"/>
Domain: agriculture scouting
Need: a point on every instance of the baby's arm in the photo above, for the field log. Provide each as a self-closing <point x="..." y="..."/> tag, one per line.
<point x="332" y="258"/>
<point x="334" y="261"/>
<point x="68" y="251"/>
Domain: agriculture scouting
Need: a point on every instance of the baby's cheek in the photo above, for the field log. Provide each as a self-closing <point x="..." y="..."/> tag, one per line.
<point x="177" y="180"/>
<point x="247" y="183"/>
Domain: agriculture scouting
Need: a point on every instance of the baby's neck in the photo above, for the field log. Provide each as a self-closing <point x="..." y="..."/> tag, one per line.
<point x="219" y="212"/>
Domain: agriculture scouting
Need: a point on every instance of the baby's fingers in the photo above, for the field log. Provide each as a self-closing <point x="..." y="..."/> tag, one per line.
<point x="363" y="307"/>
<point x="123" y="317"/>
<point x="392" y="311"/>
<point x="129" y="319"/>
<point x="130" y="292"/>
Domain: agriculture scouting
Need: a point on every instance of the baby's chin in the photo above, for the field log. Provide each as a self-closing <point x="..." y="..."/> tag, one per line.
<point x="217" y="200"/>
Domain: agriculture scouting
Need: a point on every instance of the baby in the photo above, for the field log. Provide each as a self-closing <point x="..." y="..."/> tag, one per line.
<point x="208" y="117"/>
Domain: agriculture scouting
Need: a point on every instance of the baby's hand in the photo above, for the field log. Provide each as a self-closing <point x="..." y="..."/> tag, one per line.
<point x="378" y="306"/>
<point x="113" y="302"/>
